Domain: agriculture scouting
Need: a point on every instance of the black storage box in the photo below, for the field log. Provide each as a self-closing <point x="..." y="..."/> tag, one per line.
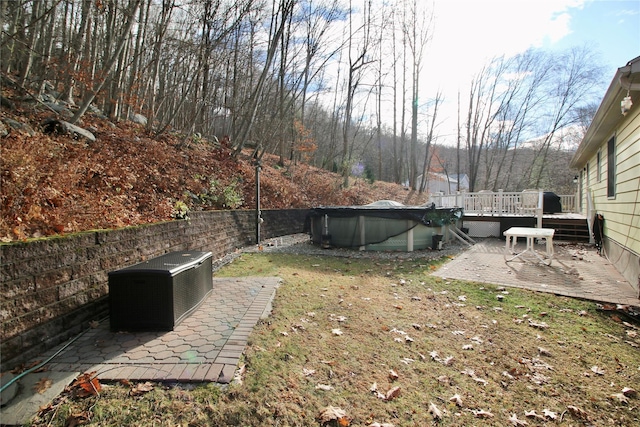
<point x="158" y="294"/>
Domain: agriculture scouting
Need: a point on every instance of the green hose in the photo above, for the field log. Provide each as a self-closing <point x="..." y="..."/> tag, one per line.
<point x="40" y="365"/>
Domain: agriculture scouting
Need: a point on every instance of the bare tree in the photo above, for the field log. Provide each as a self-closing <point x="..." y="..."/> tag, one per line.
<point x="417" y="29"/>
<point x="130" y="13"/>
<point x="575" y="75"/>
<point x="279" y="19"/>
<point x="358" y="45"/>
<point x="430" y="139"/>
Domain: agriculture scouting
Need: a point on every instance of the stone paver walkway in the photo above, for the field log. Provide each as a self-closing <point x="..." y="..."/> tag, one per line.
<point x="576" y="271"/>
<point x="205" y="347"/>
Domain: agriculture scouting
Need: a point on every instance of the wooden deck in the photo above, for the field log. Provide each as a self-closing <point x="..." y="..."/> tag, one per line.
<point x="489" y="213"/>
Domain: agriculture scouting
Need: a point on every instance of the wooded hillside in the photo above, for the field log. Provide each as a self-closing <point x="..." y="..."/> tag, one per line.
<point x="55" y="184"/>
<point x="332" y="84"/>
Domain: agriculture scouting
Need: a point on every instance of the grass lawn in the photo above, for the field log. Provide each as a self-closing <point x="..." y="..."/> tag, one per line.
<point x="362" y="342"/>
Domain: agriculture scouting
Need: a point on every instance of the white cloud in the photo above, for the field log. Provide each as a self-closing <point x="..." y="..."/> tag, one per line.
<point x="469" y="33"/>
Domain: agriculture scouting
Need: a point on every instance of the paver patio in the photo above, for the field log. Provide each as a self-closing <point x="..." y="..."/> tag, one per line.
<point x="205" y="347"/>
<point x="576" y="271"/>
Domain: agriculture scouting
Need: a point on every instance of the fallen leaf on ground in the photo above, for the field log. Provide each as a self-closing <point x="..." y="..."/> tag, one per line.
<point x="533" y="414"/>
<point x="433" y="410"/>
<point x="324" y="387"/>
<point x="456" y="399"/>
<point x="308" y="372"/>
<point x="42" y="385"/>
<point x="544" y="352"/>
<point x="86" y="385"/>
<point x="393" y="375"/>
<point x="393" y="393"/>
<point x="333" y="413"/>
<point x="141" y="388"/>
<point x="629" y="392"/>
<point x="549" y="414"/>
<point x="472" y="374"/>
<point x="577" y="412"/>
<point x="620" y="397"/>
<point x="597" y="370"/>
<point x="443" y="379"/>
<point x="539" y="325"/>
<point x="238" y="377"/>
<point x="77" y="419"/>
<point x="381" y="425"/>
<point x="516" y="422"/>
<point x="374" y="389"/>
<point x="336" y="332"/>
<point x="481" y="413"/>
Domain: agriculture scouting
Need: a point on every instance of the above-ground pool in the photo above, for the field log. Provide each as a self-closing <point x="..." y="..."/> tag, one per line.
<point x="383" y="225"/>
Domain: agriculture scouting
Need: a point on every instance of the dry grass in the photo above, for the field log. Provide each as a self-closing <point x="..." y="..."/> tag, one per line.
<point x="504" y="353"/>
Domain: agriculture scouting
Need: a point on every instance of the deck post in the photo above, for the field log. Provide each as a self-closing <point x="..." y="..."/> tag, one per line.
<point x="540" y="209"/>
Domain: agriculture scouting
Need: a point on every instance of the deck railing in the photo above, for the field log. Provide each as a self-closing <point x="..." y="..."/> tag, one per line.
<point x="490" y="203"/>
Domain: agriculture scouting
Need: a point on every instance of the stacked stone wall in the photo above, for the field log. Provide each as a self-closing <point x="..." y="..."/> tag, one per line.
<point x="51" y="289"/>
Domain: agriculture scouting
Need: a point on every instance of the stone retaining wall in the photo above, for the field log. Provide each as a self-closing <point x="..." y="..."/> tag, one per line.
<point x="51" y="289"/>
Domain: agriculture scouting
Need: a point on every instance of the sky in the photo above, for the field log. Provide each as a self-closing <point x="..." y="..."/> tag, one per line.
<point x="468" y="33"/>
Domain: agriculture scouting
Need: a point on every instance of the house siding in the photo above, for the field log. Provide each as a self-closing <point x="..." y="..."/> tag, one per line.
<point x="622" y="211"/>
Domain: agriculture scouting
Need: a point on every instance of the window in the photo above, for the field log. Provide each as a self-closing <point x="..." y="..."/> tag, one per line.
<point x="611" y="167"/>
<point x="599" y="166"/>
<point x="587" y="174"/>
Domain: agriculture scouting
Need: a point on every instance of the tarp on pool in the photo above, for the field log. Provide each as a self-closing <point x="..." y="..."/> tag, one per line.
<point x="425" y="215"/>
<point x="380" y="226"/>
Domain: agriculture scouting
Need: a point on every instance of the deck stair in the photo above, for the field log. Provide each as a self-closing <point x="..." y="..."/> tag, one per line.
<point x="567" y="229"/>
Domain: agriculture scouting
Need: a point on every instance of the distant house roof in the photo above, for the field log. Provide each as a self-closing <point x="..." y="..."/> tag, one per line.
<point x="608" y="115"/>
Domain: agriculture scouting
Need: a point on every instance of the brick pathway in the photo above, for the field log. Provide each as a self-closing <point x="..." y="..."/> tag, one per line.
<point x="205" y="347"/>
<point x="576" y="271"/>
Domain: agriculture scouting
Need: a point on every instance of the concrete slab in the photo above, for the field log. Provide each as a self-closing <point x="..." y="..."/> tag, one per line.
<point x="28" y="399"/>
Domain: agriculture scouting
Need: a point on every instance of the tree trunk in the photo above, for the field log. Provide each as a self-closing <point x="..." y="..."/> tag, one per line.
<point x="124" y="36"/>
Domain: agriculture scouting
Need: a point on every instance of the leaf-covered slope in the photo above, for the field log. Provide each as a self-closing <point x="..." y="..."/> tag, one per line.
<point x="53" y="184"/>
